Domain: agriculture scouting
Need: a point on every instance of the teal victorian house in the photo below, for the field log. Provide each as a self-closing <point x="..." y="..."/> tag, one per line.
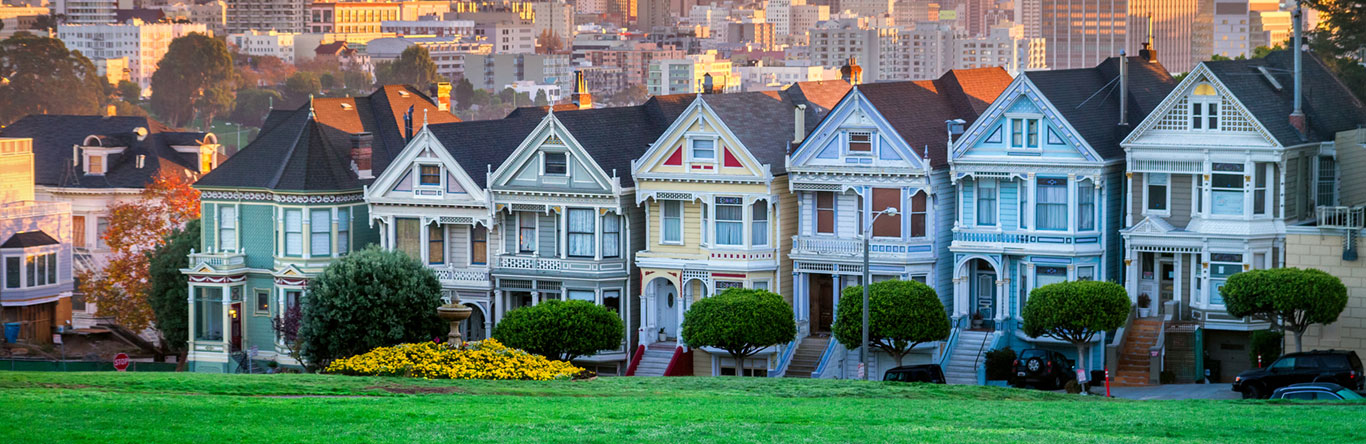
<point x="282" y="209"/>
<point x="1040" y="180"/>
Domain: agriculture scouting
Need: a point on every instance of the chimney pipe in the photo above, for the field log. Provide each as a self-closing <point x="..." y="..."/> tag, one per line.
<point x="1297" y="116"/>
<point x="799" y="123"/>
<point x="1123" y="88"/>
<point x="582" y="98"/>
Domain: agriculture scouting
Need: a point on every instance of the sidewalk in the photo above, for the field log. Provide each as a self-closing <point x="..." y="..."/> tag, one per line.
<point x="1173" y="391"/>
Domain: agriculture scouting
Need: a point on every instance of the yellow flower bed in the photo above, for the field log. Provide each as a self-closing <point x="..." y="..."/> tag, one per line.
<point x="486" y="359"/>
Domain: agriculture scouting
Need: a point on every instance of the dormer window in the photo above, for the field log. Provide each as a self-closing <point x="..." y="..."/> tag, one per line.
<point x="702" y="149"/>
<point x="1204" y="108"/>
<point x="94" y="164"/>
<point x="429" y="175"/>
<point x="860" y="142"/>
<point x="556" y="164"/>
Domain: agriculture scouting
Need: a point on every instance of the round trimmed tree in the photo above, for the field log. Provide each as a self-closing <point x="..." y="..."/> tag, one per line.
<point x="367" y="299"/>
<point x="561" y="330"/>
<point x="901" y="315"/>
<point x="740" y="321"/>
<point x="1075" y="312"/>
<point x="1290" y="298"/>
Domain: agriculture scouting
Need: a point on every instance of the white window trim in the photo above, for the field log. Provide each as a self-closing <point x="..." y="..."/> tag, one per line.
<point x="535" y="237"/>
<point x="977" y="194"/>
<point x="440" y="181"/>
<point x="1009" y="135"/>
<point x="236" y="226"/>
<point x="1203" y="100"/>
<point x="1247" y="188"/>
<point x="542" y="158"/>
<point x="1163" y="213"/>
<point x="744" y="222"/>
<point x="663" y="230"/>
<point x="715" y="159"/>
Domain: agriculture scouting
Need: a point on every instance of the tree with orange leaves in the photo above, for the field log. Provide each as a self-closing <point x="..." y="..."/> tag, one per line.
<point x="137" y="228"/>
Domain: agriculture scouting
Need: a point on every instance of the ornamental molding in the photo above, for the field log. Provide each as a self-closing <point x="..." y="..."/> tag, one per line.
<point x="1024" y="172"/>
<point x="201" y="279"/>
<point x="853" y="179"/>
<point x="253" y="196"/>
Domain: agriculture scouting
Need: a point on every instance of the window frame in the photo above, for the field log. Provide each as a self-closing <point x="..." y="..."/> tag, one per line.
<point x="740" y="210"/>
<point x="1025" y="128"/>
<point x="436" y="242"/>
<point x="832" y="210"/>
<point x="256" y="304"/>
<point x="522" y="232"/>
<point x="615" y="234"/>
<point x="343" y="234"/>
<point x="285" y="228"/>
<point x="479" y="242"/>
<point x="570" y="234"/>
<point x="995" y="206"/>
<point x="422" y="174"/>
<point x="1239" y="176"/>
<point x="1148" y="185"/>
<point x="664" y="218"/>
<point x="314" y="233"/>
<point x="226" y="231"/>
<point x="849" y="142"/>
<point x="1086" y="188"/>
<point x="692" y="150"/>
<point x="1200" y="121"/>
<point x="1039" y="203"/>
<point x="759" y="226"/>
<point x="563" y="166"/>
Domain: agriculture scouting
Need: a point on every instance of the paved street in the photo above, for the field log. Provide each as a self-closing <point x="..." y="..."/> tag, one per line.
<point x="1173" y="391"/>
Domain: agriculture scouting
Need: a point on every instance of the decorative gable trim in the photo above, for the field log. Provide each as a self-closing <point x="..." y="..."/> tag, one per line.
<point x="1021" y="88"/>
<point x="423" y="146"/>
<point x="550" y="132"/>
<point x="732" y="153"/>
<point x="1178" y="98"/>
<point x="854" y="111"/>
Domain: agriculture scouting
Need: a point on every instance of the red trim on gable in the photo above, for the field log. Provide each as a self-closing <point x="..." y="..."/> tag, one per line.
<point x="676" y="158"/>
<point x="731" y="161"/>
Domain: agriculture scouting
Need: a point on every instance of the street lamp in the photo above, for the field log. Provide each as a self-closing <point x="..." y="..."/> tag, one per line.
<point x="867" y="232"/>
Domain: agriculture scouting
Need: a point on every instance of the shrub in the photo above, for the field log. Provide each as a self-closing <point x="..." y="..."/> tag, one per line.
<point x="901" y="315"/>
<point x="486" y="359"/>
<point x="1267" y="344"/>
<point x="561" y="330"/>
<point x="999" y="363"/>
<point x="740" y="321"/>
<point x="369" y="298"/>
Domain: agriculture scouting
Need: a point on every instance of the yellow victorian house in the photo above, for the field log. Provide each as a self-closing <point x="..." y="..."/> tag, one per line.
<point x="719" y="216"/>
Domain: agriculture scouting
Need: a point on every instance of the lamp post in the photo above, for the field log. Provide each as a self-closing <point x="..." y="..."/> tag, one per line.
<point x="867" y="277"/>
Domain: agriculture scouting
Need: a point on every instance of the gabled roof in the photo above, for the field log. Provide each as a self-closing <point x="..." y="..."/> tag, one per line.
<point x="918" y="109"/>
<point x="292" y="141"/>
<point x="613" y="136"/>
<point x="1328" y="105"/>
<point x="1088" y="98"/>
<point x="29" y="239"/>
<point x="54" y="135"/>
<point x="763" y="121"/>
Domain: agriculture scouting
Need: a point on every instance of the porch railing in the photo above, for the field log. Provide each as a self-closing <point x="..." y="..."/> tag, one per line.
<point x="219" y="260"/>
<point x="825" y="358"/>
<point x="451" y="273"/>
<point x="1352" y="218"/>
<point x="557" y="264"/>
<point x="854" y="247"/>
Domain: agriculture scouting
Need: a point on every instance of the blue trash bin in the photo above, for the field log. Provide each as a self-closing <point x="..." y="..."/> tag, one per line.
<point x="12" y="332"/>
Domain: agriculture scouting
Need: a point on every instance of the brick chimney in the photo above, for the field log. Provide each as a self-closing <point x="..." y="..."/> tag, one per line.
<point x="851" y="72"/>
<point x="361" y="144"/>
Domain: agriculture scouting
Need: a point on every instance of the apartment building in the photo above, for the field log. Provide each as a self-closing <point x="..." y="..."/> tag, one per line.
<point x="143" y="44"/>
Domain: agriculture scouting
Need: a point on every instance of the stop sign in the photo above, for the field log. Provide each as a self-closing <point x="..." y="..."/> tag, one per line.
<point x="121" y="362"/>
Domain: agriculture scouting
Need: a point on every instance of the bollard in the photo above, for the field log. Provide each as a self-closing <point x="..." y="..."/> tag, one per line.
<point x="1107" y="383"/>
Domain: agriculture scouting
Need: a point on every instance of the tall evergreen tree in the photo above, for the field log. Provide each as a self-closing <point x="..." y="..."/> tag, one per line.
<point x="39" y="75"/>
<point x="194" y="79"/>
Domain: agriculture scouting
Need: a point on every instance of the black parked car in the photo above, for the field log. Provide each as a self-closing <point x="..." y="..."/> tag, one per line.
<point x="1040" y="368"/>
<point x="930" y="373"/>
<point x="1316" y="391"/>
<point x="1335" y="366"/>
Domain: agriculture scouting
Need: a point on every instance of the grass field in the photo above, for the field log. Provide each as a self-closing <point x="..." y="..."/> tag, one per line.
<point x="179" y="407"/>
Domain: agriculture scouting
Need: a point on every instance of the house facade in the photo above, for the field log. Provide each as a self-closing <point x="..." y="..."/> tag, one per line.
<point x="869" y="154"/>
<point x="1217" y="173"/>
<point x="94" y="162"/>
<point x="35" y="251"/>
<point x="282" y="209"/>
<point x="1040" y="181"/>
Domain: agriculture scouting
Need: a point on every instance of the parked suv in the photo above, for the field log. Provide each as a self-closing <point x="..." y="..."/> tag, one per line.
<point x="929" y="373"/>
<point x="1041" y="368"/>
<point x="1335" y="366"/>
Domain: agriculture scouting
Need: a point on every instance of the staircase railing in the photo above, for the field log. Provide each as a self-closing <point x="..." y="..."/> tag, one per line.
<point x="785" y="358"/>
<point x="825" y="358"/>
<point x="981" y="348"/>
<point x="1116" y="343"/>
<point x="635" y="360"/>
<point x="952" y="342"/>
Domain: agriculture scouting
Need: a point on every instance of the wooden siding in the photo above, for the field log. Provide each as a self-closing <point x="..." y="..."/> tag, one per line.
<point x="1180" y="204"/>
<point x="945" y="199"/>
<point x="1351" y="159"/>
<point x="786" y="227"/>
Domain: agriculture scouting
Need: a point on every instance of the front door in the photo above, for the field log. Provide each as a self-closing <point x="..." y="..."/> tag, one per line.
<point x="235" y="316"/>
<point x="668" y="310"/>
<point x="985" y="294"/>
<point x="822" y="300"/>
<point x="1165" y="283"/>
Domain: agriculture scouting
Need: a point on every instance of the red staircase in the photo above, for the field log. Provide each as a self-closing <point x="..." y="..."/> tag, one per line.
<point x="1134" y="355"/>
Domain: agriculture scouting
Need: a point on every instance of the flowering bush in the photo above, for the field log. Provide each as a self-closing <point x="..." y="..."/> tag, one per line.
<point x="488" y="359"/>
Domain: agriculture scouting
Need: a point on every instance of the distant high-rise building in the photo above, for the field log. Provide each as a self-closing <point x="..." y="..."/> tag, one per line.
<point x="88" y="12"/>
<point x="264" y="15"/>
<point x="654" y="14"/>
<point x="1081" y="33"/>
<point x="1178" y="31"/>
<point x="977" y="16"/>
<point x="1029" y="13"/>
<point x="142" y="44"/>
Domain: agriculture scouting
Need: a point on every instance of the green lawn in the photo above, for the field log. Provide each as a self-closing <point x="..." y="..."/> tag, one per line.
<point x="170" y="407"/>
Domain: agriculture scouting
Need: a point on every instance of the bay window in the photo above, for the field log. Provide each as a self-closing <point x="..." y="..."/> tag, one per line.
<point x="436" y="244"/>
<point x="479" y="241"/>
<point x="1222" y="265"/>
<point x="12" y="271"/>
<point x="730" y="214"/>
<point x="526" y="232"/>
<point x="320" y="232"/>
<point x="1226" y="189"/>
<point x="1023" y="205"/>
<point x="227" y="228"/>
<point x="986" y="201"/>
<point x="673" y="221"/>
<point x="612" y="300"/>
<point x="1049" y="275"/>
<point x="1050" y="212"/>
<point x="1086" y="205"/>
<point x="825" y="212"/>
<point x="294" y="232"/>
<point x="581" y="228"/>
<point x="1158" y="189"/>
<point x="759" y="224"/>
<point x="408" y="237"/>
<point x="1259" y="188"/>
<point x="611" y="235"/>
<point x="582" y="295"/>
<point x="887" y="225"/>
<point x="208" y="325"/>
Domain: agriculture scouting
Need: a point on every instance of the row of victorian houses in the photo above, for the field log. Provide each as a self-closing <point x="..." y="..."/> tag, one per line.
<point x="1118" y="172"/>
